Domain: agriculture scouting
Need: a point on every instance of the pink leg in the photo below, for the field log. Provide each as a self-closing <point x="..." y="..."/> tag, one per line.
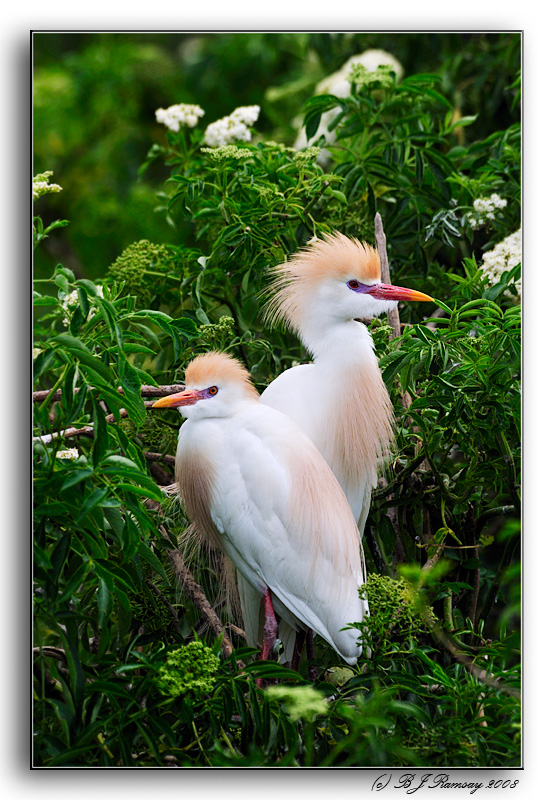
<point x="271" y="626"/>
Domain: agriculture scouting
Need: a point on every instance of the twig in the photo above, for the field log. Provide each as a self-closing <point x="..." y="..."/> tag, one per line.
<point x="429" y="564"/>
<point x="398" y="479"/>
<point x="480" y="674"/>
<point x="194" y="591"/>
<point x="51" y="652"/>
<point x="160" y="457"/>
<point x="381" y="241"/>
<point x="237" y="630"/>
<point x="493" y="512"/>
<point x="375" y="551"/>
<point x="159" y="474"/>
<point x="509" y="550"/>
<point x="393" y="316"/>
<point x="145" y="391"/>
<point x="87" y="430"/>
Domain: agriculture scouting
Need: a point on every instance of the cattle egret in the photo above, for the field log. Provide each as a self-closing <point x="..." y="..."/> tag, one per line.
<point x="320" y="294"/>
<point x="254" y="485"/>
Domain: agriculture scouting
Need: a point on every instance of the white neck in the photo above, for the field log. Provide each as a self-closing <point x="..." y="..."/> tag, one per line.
<point x="345" y="342"/>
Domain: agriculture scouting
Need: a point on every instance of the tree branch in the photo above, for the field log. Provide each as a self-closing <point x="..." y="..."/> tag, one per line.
<point x="393" y="316"/>
<point x="193" y="590"/>
<point x="145" y="391"/>
<point x="381" y="242"/>
<point x="159" y="457"/>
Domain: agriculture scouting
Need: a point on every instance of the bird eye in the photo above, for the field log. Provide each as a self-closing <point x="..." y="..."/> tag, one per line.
<point x="354" y="284"/>
<point x="213" y="390"/>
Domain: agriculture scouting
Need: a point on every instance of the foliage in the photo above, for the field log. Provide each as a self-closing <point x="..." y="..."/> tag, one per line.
<point x="189" y="670"/>
<point x="393" y="615"/>
<point x="111" y="626"/>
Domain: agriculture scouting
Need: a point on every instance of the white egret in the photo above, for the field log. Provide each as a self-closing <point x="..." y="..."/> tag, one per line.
<point x="255" y="485"/>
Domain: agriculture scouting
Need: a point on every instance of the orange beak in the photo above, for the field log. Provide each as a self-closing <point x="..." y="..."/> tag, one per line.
<point x="383" y="291"/>
<point x="187" y="398"/>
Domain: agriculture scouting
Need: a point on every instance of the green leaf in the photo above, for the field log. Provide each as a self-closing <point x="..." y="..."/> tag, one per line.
<point x="108" y="572"/>
<point x="90" y="288"/>
<point x="41" y="557"/>
<point x="463" y="122"/>
<point x="396" y="365"/>
<point x="79" y="351"/>
<point x="149" y="556"/>
<point x="74" y="582"/>
<point x="76" y="675"/>
<point x="59" y="556"/>
<point x="110" y="688"/>
<point x="76" y="476"/>
<point x="130" y="380"/>
<point x="121" y="461"/>
<point x="44" y="300"/>
<point x="104" y="600"/>
<point x="142" y="491"/>
<point x="101" y="438"/>
<point x="91" y="502"/>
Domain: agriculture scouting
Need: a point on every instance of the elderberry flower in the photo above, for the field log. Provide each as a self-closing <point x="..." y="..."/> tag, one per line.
<point x="502" y="258"/>
<point x="180" y="114"/>
<point x="226" y="151"/>
<point x="305" y="157"/>
<point x="71" y="301"/>
<point x="42" y="185"/>
<point x="485" y="209"/>
<point x="233" y="128"/>
<point x="246" y="114"/>
<point x="68" y="455"/>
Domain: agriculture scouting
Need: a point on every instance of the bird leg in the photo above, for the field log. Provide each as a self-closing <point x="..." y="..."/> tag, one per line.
<point x="310" y="652"/>
<point x="271" y="626"/>
<point x="299" y="640"/>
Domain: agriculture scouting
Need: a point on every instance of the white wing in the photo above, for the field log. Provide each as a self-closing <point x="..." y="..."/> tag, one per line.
<point x="286" y="524"/>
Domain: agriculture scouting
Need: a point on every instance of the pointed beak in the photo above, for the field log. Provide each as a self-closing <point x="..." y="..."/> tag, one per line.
<point x="187" y="398"/>
<point x="383" y="291"/>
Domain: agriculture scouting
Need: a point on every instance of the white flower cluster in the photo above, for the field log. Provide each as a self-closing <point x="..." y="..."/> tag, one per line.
<point x="502" y="258"/>
<point x="485" y="209"/>
<point x="179" y="114"/>
<point x="71" y="300"/>
<point x="233" y="128"/>
<point x="42" y="185"/>
<point x="70" y="454"/>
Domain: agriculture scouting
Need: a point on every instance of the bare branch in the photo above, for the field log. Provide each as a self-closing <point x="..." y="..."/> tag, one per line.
<point x="87" y="430"/>
<point x="193" y="590"/>
<point x="159" y="457"/>
<point x="381" y="242"/>
<point x="145" y="391"/>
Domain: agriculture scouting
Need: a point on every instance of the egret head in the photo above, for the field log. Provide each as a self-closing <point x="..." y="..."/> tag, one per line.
<point x="216" y="383"/>
<point x="332" y="279"/>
